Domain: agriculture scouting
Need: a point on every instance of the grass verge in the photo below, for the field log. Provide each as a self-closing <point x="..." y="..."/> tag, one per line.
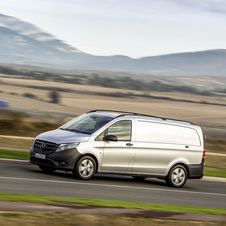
<point x="108" y="203"/>
<point x="23" y="155"/>
<point x="12" y="154"/>
<point x="212" y="172"/>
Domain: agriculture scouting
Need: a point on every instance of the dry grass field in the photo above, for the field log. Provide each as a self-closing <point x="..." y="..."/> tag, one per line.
<point x="85" y="98"/>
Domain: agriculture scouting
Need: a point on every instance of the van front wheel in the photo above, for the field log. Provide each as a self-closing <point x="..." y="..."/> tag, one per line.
<point x="85" y="168"/>
<point x="177" y="176"/>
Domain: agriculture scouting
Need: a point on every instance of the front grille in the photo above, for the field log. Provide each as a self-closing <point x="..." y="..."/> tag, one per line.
<point x="44" y="147"/>
<point x="42" y="161"/>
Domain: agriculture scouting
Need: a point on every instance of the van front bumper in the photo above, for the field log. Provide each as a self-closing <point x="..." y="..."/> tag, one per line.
<point x="63" y="160"/>
<point x="195" y="171"/>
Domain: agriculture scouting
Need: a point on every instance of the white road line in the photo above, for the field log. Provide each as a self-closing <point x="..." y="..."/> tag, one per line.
<point x="17" y="137"/>
<point x="109" y="185"/>
<point x="218" y="154"/>
<point x="14" y="160"/>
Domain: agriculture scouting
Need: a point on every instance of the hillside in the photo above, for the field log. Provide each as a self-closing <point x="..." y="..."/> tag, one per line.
<point x="24" y="44"/>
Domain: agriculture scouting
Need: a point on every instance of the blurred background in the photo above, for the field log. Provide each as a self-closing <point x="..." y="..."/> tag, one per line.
<point x="59" y="59"/>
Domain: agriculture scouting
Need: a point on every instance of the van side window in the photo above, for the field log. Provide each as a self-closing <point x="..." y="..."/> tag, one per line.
<point x="122" y="130"/>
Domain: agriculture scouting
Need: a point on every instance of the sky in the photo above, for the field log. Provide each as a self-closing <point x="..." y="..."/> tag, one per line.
<point x="135" y="28"/>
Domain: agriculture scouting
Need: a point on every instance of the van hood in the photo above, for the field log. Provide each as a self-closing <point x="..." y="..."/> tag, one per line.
<point x="59" y="136"/>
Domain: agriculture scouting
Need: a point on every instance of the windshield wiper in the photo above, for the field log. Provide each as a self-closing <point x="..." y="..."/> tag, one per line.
<point x="74" y="130"/>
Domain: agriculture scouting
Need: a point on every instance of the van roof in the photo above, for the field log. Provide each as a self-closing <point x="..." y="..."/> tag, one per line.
<point x="124" y="113"/>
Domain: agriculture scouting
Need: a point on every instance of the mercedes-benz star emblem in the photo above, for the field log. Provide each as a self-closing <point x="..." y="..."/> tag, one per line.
<point x="42" y="146"/>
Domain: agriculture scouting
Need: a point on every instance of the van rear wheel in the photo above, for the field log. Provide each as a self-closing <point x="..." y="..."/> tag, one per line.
<point x="177" y="176"/>
<point x="85" y="168"/>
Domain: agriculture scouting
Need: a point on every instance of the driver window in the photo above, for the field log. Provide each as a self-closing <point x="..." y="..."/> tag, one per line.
<point x="122" y="130"/>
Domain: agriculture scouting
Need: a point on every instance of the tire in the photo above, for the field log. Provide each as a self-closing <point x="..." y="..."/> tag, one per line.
<point x="85" y="168"/>
<point x="47" y="169"/>
<point x="137" y="178"/>
<point x="177" y="176"/>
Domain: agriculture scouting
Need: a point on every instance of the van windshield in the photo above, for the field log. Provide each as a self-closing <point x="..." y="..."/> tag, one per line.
<point x="87" y="124"/>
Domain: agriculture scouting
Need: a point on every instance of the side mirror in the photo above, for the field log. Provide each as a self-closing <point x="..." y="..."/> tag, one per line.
<point x="111" y="138"/>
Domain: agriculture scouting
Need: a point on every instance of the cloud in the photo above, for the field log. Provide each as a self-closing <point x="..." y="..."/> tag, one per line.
<point x="215" y="6"/>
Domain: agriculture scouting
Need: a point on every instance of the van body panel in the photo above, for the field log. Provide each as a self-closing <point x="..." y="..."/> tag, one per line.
<point x="160" y="160"/>
<point x="145" y="146"/>
<point x="117" y="156"/>
<point x="153" y="158"/>
<point x="92" y="148"/>
<point x="60" y="136"/>
<point x="162" y="132"/>
<point x="160" y="145"/>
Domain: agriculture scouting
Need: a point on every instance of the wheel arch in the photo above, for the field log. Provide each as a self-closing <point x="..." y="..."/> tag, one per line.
<point x="91" y="155"/>
<point x="179" y="163"/>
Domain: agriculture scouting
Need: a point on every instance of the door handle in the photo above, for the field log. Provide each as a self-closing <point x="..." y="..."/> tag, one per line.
<point x="129" y="144"/>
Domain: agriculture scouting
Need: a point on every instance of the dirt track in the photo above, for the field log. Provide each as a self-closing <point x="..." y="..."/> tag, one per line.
<point x="28" y="207"/>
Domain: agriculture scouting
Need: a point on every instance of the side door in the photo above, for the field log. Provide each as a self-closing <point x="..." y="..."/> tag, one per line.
<point x="153" y="153"/>
<point x="159" y="145"/>
<point x="118" y="156"/>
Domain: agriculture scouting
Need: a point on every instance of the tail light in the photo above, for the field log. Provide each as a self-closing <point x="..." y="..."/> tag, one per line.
<point x="203" y="155"/>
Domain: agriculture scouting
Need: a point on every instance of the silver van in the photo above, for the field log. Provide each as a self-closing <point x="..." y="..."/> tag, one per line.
<point x="123" y="143"/>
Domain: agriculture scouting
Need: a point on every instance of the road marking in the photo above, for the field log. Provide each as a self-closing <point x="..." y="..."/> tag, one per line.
<point x="14" y="160"/>
<point x="109" y="185"/>
<point x="14" y="149"/>
<point x="17" y="137"/>
<point x="14" y="164"/>
<point x="218" y="154"/>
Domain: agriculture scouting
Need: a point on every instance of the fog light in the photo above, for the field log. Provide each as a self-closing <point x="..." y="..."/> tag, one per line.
<point x="62" y="163"/>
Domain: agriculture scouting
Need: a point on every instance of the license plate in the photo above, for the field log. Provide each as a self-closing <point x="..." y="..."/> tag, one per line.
<point x="40" y="156"/>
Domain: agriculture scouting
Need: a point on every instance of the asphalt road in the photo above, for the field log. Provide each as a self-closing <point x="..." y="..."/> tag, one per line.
<point x="29" y="179"/>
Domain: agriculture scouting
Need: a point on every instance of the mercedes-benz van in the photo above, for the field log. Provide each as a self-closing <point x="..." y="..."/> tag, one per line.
<point x="123" y="143"/>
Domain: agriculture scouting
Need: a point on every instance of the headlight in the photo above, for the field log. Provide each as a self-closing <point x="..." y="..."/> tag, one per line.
<point x="64" y="147"/>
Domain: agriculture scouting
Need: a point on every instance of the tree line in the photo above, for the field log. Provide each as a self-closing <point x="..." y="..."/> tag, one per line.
<point x="95" y="79"/>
